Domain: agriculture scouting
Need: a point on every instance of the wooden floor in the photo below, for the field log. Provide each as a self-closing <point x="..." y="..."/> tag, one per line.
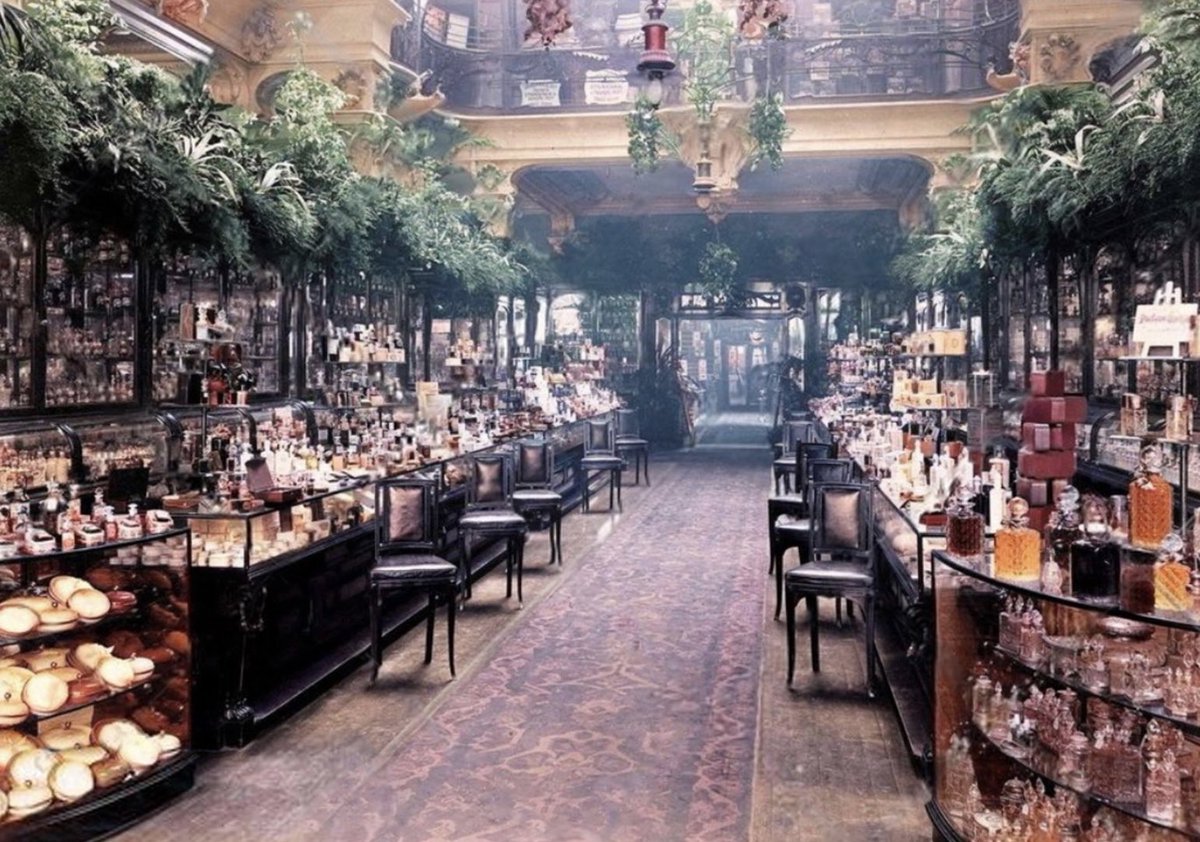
<point x="675" y="723"/>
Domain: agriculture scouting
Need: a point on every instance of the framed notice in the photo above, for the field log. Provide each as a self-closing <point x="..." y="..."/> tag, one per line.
<point x="540" y="93"/>
<point x="606" y="87"/>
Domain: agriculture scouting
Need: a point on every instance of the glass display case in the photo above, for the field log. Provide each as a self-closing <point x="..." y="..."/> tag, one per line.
<point x="269" y="532"/>
<point x="90" y="299"/>
<point x="121" y="441"/>
<point x="252" y="307"/>
<point x="33" y="453"/>
<point x="97" y="683"/>
<point x="16" y="318"/>
<point x="1065" y="717"/>
<point x="358" y="355"/>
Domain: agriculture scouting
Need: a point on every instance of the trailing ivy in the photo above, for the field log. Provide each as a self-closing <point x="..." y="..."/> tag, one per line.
<point x="645" y="133"/>
<point x="768" y="129"/>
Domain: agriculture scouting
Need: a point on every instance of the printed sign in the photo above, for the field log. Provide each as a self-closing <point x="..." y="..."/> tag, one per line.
<point x="540" y="93"/>
<point x="606" y="87"/>
<point x="1164" y="328"/>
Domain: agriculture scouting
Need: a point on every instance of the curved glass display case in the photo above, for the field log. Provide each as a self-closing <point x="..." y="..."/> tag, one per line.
<point x="122" y="441"/>
<point x="1065" y="717"/>
<point x="102" y="731"/>
<point x="33" y="453"/>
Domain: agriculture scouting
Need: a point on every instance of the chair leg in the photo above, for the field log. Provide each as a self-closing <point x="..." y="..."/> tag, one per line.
<point x="792" y="599"/>
<point x="620" y="508"/>
<point x="869" y="611"/>
<point x="429" y="627"/>
<point x="779" y="581"/>
<point x="771" y="540"/>
<point x="837" y="611"/>
<point x="587" y="492"/>
<point x="508" y="566"/>
<point x="558" y="537"/>
<point x="849" y="610"/>
<point x="520" y="569"/>
<point x="451" y="599"/>
<point x="814" y="632"/>
<point x="646" y="466"/>
<point x="613" y="477"/>
<point x="466" y="563"/>
<point x="376" y="643"/>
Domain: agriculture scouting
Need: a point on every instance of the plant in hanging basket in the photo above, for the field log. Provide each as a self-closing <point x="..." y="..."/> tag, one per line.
<point x="718" y="267"/>
<point x="645" y="136"/>
<point x="768" y="129"/>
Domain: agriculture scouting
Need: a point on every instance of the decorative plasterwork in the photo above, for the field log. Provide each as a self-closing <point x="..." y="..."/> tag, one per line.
<point x="352" y="81"/>
<point x="262" y="33"/>
<point x="547" y="20"/>
<point x="188" y="12"/>
<point x="1059" y="56"/>
<point x="228" y="84"/>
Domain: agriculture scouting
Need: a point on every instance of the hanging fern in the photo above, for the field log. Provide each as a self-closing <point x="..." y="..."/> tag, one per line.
<point x="768" y="129"/>
<point x="645" y="137"/>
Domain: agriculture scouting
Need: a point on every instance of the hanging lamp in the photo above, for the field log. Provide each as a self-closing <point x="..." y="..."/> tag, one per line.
<point x="655" y="60"/>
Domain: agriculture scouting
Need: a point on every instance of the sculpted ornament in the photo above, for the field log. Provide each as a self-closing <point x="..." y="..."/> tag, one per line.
<point x="261" y="33"/>
<point x="353" y="83"/>
<point x="188" y="12"/>
<point x="1059" y="56"/>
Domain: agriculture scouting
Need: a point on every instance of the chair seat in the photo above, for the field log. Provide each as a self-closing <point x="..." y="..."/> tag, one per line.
<point x="492" y="521"/>
<point x="830" y="573"/>
<point x="536" y="497"/>
<point x="793" y="527"/>
<point x="414" y="569"/>
<point x="602" y="462"/>
<point x="785" y="500"/>
<point x="785" y="463"/>
<point x="631" y="441"/>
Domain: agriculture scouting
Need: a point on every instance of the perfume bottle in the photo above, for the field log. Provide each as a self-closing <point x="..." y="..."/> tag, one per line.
<point x="964" y="527"/>
<point x="1063" y="532"/>
<point x="1018" y="548"/>
<point x="1150" y="502"/>
<point x="1180" y="411"/>
<point x="1172" y="576"/>
<point x="1095" y="558"/>
<point x="1133" y="421"/>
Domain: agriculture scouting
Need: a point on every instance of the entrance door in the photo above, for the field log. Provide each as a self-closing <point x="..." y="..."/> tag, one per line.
<point x="737" y="372"/>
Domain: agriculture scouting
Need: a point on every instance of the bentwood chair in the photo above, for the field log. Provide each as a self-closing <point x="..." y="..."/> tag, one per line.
<point x="784" y="466"/>
<point x="629" y="440"/>
<point x="842" y="565"/>
<point x="407" y="558"/>
<point x="794" y="532"/>
<point x="600" y="454"/>
<point x="533" y="497"/>
<point x="489" y="515"/>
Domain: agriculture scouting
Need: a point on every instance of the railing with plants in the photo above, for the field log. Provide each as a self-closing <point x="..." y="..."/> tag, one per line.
<point x="863" y="54"/>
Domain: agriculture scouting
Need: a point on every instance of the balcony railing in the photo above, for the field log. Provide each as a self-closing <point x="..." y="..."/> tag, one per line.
<point x="944" y="53"/>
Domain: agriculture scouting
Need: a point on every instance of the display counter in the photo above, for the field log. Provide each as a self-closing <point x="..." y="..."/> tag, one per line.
<point x="96" y="685"/>
<point x="1061" y="716"/>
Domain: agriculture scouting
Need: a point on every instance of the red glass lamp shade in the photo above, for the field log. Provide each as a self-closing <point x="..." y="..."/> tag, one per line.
<point x="655" y="58"/>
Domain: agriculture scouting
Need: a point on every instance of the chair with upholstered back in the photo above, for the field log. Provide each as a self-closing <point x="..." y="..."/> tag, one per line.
<point x="534" y="496"/>
<point x="629" y="440"/>
<point x="783" y="468"/>
<point x="600" y="454"/>
<point x="408" y="544"/>
<point x="490" y="514"/>
<point x="793" y="533"/>
<point x="842" y="565"/>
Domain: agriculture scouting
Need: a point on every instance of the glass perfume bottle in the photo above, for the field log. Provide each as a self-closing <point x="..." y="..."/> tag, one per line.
<point x="1018" y="548"/>
<point x="1095" y="557"/>
<point x="1150" y="502"/>
<point x="1172" y="576"/>
<point x="1137" y="581"/>
<point x="1179" y="418"/>
<point x="964" y="526"/>
<point x="1063" y="532"/>
<point x="1133" y="421"/>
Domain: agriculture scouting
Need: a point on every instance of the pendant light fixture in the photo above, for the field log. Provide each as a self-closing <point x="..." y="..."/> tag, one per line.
<point x="655" y="60"/>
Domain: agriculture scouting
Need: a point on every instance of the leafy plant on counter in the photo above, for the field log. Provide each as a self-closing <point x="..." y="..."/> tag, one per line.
<point x="645" y="136"/>
<point x="768" y="129"/>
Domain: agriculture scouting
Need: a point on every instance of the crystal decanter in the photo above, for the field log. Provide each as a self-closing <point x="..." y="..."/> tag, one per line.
<point x="1150" y="502"/>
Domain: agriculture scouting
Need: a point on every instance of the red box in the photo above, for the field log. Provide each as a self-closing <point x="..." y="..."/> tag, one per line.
<point x="1036" y="492"/>
<point x="1062" y="437"/>
<point x="1057" y="487"/>
<point x="1053" y="464"/>
<point x="1071" y="409"/>
<point x="1039" y="517"/>
<point x="1036" y="437"/>
<point x="1049" y="384"/>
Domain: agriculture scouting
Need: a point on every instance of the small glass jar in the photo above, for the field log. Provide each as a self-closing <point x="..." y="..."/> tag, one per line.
<point x="1137" y="581"/>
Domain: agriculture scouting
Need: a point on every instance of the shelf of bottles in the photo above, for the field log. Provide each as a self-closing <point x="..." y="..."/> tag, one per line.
<point x="16" y="318"/>
<point x="91" y="323"/>
<point x="359" y="357"/>
<point x="253" y="307"/>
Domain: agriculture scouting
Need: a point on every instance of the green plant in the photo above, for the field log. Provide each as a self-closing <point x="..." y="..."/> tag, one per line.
<point x="718" y="270"/>
<point x="645" y="136"/>
<point x="703" y="43"/>
<point x="768" y="129"/>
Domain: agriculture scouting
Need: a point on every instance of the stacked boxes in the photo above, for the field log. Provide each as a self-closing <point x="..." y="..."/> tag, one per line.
<point x="1047" y="460"/>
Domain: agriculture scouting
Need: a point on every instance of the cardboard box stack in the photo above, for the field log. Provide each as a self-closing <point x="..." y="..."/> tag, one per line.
<point x="1046" y="461"/>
